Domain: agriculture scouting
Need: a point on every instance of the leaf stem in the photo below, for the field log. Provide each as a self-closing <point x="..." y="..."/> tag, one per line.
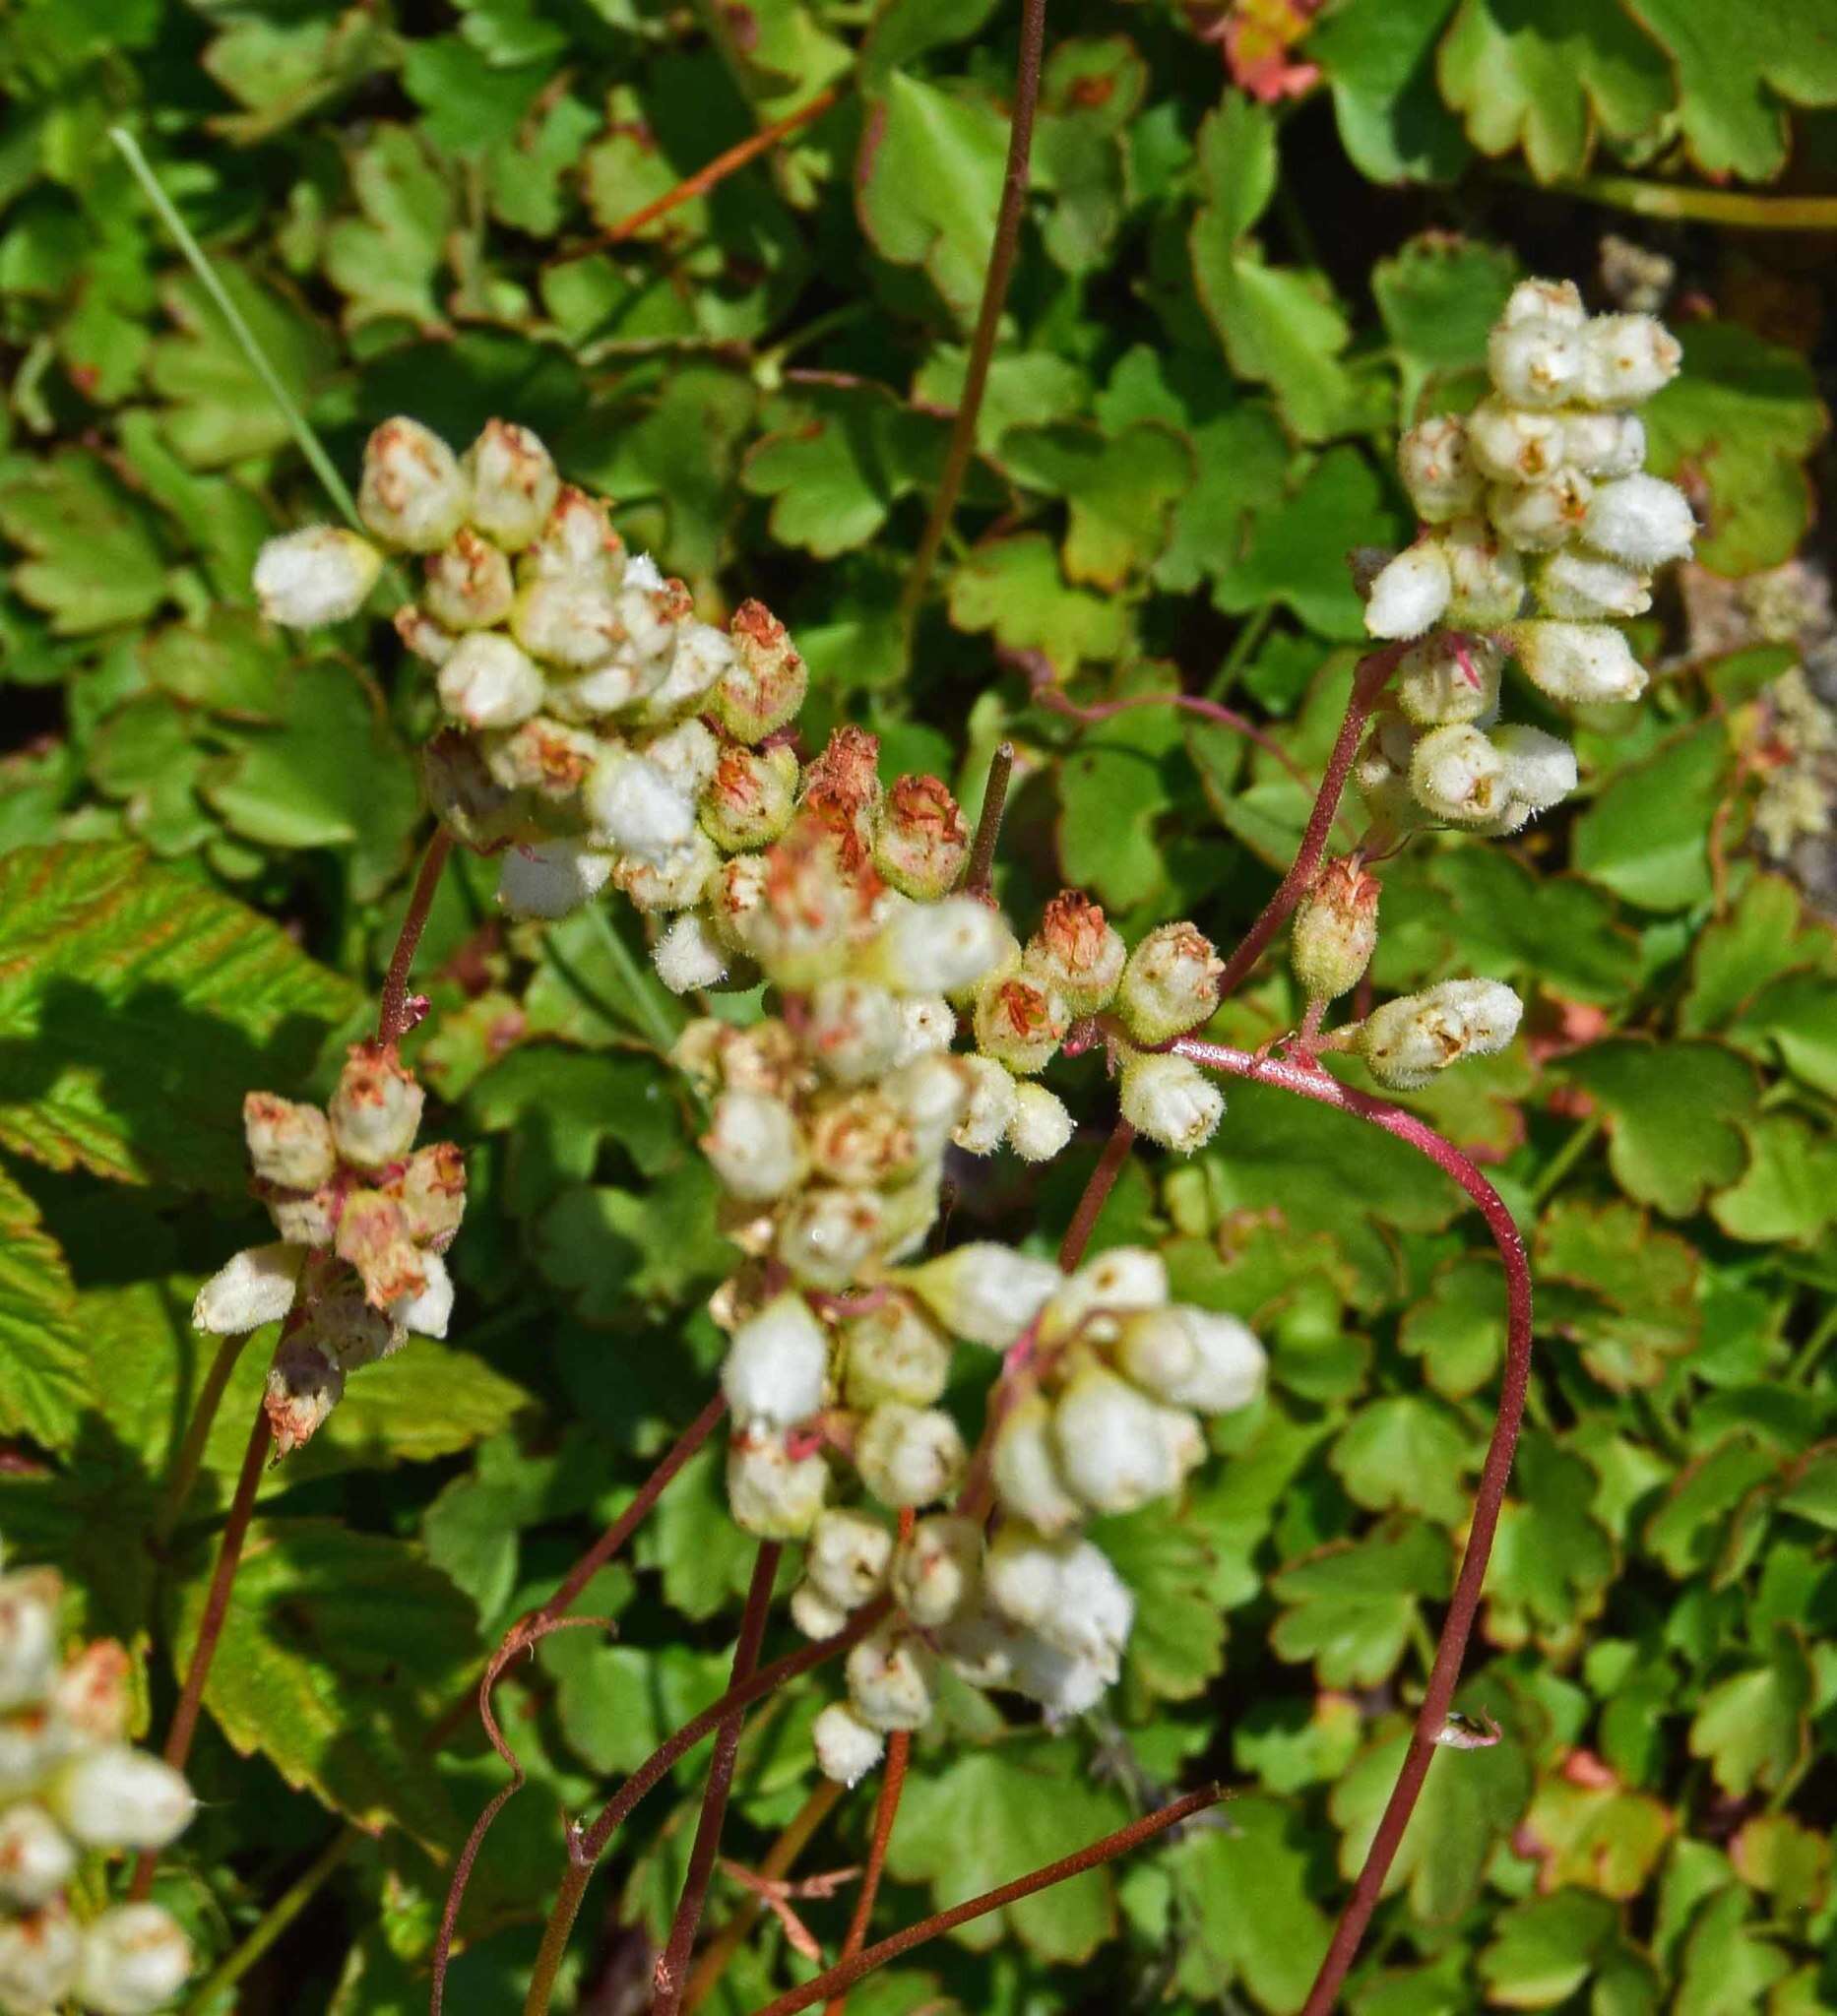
<point x="1549" y="1178"/>
<point x="641" y="985"/>
<point x="846" y="1972"/>
<point x="672" y="1964"/>
<point x="190" y="1458"/>
<point x="1733" y="207"/>
<point x="999" y="273"/>
<point x="1311" y="1082"/>
<point x="393" y="1020"/>
<point x="297" y="425"/>
<point x="1808" y="1353"/>
<point x="276" y="1920"/>
<point x="211" y="1624"/>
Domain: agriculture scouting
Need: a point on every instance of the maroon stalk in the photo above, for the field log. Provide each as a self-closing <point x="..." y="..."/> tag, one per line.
<point x="211" y="1624"/>
<point x="393" y="1020"/>
<point x="982" y="867"/>
<point x="1096" y="1195"/>
<point x="846" y="1972"/>
<point x="988" y="315"/>
<point x="586" y="1849"/>
<point x="1457" y="1628"/>
<point x="673" y="1967"/>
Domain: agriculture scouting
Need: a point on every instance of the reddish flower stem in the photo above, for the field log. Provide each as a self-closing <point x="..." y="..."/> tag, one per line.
<point x="846" y="1972"/>
<point x="719" y="169"/>
<point x="1096" y="1195"/>
<point x="1457" y="1628"/>
<point x="393" y="1020"/>
<point x="673" y="1967"/>
<point x="211" y="1625"/>
<point x="996" y="281"/>
<point x="981" y="868"/>
<point x="584" y="1850"/>
<point x="1048" y="695"/>
<point x="1368" y="682"/>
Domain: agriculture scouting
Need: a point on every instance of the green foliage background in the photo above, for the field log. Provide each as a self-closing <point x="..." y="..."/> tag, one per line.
<point x="1223" y="311"/>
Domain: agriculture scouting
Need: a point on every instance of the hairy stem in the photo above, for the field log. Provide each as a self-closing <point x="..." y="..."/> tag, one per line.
<point x="673" y="1967"/>
<point x="719" y="169"/>
<point x="276" y="1919"/>
<point x="190" y="1458"/>
<point x="981" y="868"/>
<point x="1457" y="1628"/>
<point x="996" y="281"/>
<point x="1096" y="1195"/>
<point x="393" y="1020"/>
<point x="586" y="1849"/>
<point x="1369" y="682"/>
<point x="846" y="1972"/>
<point x="780" y="1858"/>
<point x="211" y="1624"/>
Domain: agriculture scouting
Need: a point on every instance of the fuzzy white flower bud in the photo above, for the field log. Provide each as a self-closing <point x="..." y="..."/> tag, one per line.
<point x="1548" y="300"/>
<point x="28" y="1636"/>
<point x="36" y="1859"/>
<point x="1582" y="588"/>
<point x="321" y="574"/>
<point x="117" y="1797"/>
<point x="1170" y="983"/>
<point x="635" y="807"/>
<point x="848" y="1556"/>
<point x="1437" y="470"/>
<point x="1537" y="361"/>
<point x="427" y="1311"/>
<point x="940" y="948"/>
<point x="749" y="796"/>
<point x="514" y="485"/>
<point x="814" y="1614"/>
<point x="255" y="1287"/>
<point x="828" y="1235"/>
<point x="1065" y="1590"/>
<point x="776" y="1368"/>
<point x="931" y="1094"/>
<point x="846" y="1750"/>
<point x="689" y="956"/>
<point x="134" y="1959"/>
<point x="1511" y="446"/>
<point x="772" y="1494"/>
<point x="469" y="583"/>
<point x="1448" y="678"/>
<point x="1641" y="521"/>
<point x="1408" y="1041"/>
<point x="1581" y="663"/>
<point x="677" y="880"/>
<point x="1025" y="1465"/>
<point x="1540" y="769"/>
<point x="1458" y="775"/>
<point x="413" y="492"/>
<point x="699" y="658"/>
<point x="939" y="1569"/>
<point x="909" y="1455"/>
<point x="487" y="682"/>
<point x="1539" y="516"/>
<point x="926" y="1027"/>
<point x="1627" y="358"/>
<point x="1170" y="1100"/>
<point x="38" y="1958"/>
<point x="1117" y="1449"/>
<point x="984" y="1293"/>
<point x="1093" y="1301"/>
<point x="1411" y="593"/>
<point x="377" y="1110"/>
<point x="1041" y="1126"/>
<point x="1194" y="1358"/>
<point x="755" y="1146"/>
<point x="1489" y="577"/>
<point x="1604" y="444"/>
<point x="1076" y="953"/>
<point x="893" y="1354"/>
<point x="989" y="1107"/>
<point x="854" y="1030"/>
<point x="289" y="1144"/>
<point x="891" y="1676"/>
<point x="576" y="542"/>
<point x="552" y="877"/>
<point x="1334" y="931"/>
<point x="764" y="684"/>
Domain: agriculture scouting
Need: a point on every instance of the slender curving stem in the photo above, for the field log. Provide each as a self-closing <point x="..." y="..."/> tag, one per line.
<point x="586" y="1849"/>
<point x="190" y="1458"/>
<point x="846" y="1972"/>
<point x="393" y="1019"/>
<point x="673" y="1967"/>
<point x="1096" y="1195"/>
<point x="211" y="1624"/>
<point x="996" y="279"/>
<point x="1457" y="1628"/>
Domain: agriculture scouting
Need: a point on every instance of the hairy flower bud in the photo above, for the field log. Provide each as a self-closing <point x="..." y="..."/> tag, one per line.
<point x="374" y="1237"/>
<point x="1193" y="1357"/>
<point x="939" y="948"/>
<point x="254" y="1287"/>
<point x="1488" y="577"/>
<point x="764" y="686"/>
<point x="846" y="1750"/>
<point x="699" y="656"/>
<point x="1437" y="470"/>
<point x="931" y="1093"/>
<point x="926" y="1027"/>
<point x="1408" y="1041"/>
<point x="1539" y="516"/>
<point x="1410" y="593"/>
<point x="635" y="808"/>
<point x="1510" y="446"/>
<point x="1117" y="1449"/>
<point x="421" y="635"/>
<point x="118" y="1796"/>
<point x="432" y="1192"/>
<point x="893" y="1354"/>
<point x="304" y="1384"/>
<point x="861" y="1137"/>
<point x="689" y="956"/>
<point x="748" y="800"/>
<point x="377" y="1110"/>
<point x="135" y="1958"/>
<point x="984" y="1293"/>
<point x="1604" y="444"/>
<point x="1170" y="983"/>
<point x="938" y="1570"/>
<point x="755" y="1146"/>
<point x="1540" y="769"/>
<point x="428" y="1310"/>
<point x="1627" y="358"/>
<point x="814" y="1614"/>
<point x="321" y="574"/>
<point x="1582" y="588"/>
<point x="38" y="1958"/>
<point x="28" y="1636"/>
<point x="1580" y="663"/>
<point x="890" y="1675"/>
<point x="1170" y="1099"/>
<point x="1558" y="301"/>
<point x="909" y="1455"/>
<point x="552" y="877"/>
<point x="847" y="1558"/>
<point x="1041" y="1126"/>
<point x="413" y="492"/>
<point x="468" y="585"/>
<point x="36" y="1859"/>
<point x="1537" y="361"/>
<point x="289" y="1144"/>
<point x="576" y="542"/>
<point x="93" y="1694"/>
<point x="1448" y="678"/>
<point x="1457" y="775"/>
<point x="920" y="842"/>
<point x="772" y="1494"/>
<point x="571" y="621"/>
<point x="1335" y="929"/>
<point x="827" y="1237"/>
<point x="853" y="1031"/>
<point x="1065" y="1590"/>
<point x="1076" y="953"/>
<point x="487" y="682"/>
<point x="1025" y="1466"/>
<point x="1640" y="520"/>
<point x="514" y="485"/>
<point x="677" y="879"/>
<point x="776" y="1373"/>
<point x="1020" y="1022"/>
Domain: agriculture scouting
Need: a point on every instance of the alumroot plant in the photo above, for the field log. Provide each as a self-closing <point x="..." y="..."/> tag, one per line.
<point x="603" y="739"/>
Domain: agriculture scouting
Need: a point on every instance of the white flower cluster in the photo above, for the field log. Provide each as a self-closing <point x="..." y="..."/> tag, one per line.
<point x="365" y="1217"/>
<point x="1540" y="535"/>
<point x="70" y="1783"/>
<point x="1097" y="1412"/>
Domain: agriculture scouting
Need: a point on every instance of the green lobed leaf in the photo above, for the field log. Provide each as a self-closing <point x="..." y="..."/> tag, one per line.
<point x="44" y="1373"/>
